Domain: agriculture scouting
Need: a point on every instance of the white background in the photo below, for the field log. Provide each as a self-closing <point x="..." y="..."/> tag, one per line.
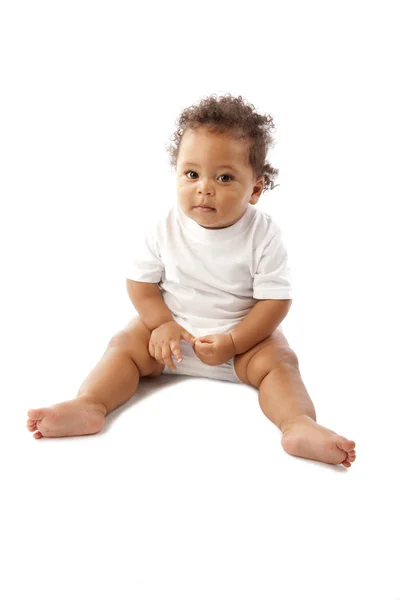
<point x="188" y="493"/>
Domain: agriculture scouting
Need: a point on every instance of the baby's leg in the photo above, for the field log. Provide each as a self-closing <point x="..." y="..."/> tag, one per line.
<point x="284" y="399"/>
<point x="112" y="382"/>
<point x="273" y="368"/>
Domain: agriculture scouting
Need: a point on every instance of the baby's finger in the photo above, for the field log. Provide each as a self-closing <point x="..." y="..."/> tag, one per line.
<point x="176" y="349"/>
<point x="157" y="354"/>
<point x="167" y="358"/>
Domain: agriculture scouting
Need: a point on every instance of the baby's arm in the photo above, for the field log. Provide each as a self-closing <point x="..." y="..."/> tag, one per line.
<point x="149" y="303"/>
<point x="261" y="321"/>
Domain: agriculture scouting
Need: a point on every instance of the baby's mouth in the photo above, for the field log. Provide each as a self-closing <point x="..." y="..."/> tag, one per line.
<point x="204" y="209"/>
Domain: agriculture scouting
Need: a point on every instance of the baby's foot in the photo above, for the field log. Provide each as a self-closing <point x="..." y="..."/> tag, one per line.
<point x="305" y="438"/>
<point x="80" y="416"/>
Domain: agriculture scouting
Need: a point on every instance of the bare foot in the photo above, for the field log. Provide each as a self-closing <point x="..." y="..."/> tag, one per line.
<point x="305" y="438"/>
<point x="80" y="416"/>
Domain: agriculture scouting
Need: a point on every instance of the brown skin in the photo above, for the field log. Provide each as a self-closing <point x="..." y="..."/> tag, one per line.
<point x="205" y="183"/>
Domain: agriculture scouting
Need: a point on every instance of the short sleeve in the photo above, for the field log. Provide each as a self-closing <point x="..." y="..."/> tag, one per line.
<point x="144" y="260"/>
<point x="272" y="279"/>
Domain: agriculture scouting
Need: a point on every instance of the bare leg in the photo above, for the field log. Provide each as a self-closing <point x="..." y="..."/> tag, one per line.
<point x="112" y="382"/>
<point x="285" y="401"/>
<point x="283" y="396"/>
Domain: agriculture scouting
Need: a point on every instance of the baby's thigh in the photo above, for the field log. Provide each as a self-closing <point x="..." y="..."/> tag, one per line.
<point x="134" y="338"/>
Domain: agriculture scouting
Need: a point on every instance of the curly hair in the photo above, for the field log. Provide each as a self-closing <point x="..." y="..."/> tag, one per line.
<point x="238" y="118"/>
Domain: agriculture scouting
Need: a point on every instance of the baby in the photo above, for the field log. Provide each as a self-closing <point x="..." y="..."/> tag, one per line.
<point x="211" y="285"/>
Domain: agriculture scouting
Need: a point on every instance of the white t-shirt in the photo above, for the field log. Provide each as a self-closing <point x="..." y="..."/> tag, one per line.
<point x="211" y="279"/>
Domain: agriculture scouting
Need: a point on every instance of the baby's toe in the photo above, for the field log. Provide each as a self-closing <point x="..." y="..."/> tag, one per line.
<point x="37" y="435"/>
<point x="345" y="444"/>
<point x="35" y="414"/>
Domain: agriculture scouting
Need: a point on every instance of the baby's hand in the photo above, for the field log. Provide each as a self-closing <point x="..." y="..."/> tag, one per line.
<point x="215" y="349"/>
<point x="165" y="339"/>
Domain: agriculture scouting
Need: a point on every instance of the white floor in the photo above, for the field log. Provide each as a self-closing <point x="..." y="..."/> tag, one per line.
<point x="187" y="492"/>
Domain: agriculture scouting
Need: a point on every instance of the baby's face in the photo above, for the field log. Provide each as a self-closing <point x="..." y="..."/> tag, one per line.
<point x="214" y="170"/>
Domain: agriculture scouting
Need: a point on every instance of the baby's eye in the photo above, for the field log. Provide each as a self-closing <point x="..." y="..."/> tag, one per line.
<point x="226" y="176"/>
<point x="187" y="173"/>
